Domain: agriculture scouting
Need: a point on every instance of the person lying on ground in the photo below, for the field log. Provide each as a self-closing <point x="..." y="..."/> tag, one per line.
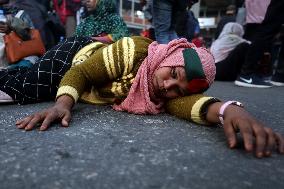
<point x="138" y="76"/>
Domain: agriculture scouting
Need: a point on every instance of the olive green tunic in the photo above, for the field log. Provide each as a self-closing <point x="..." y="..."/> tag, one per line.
<point x="104" y="73"/>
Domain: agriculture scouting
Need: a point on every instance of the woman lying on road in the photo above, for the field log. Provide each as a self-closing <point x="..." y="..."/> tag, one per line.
<point x="138" y="76"/>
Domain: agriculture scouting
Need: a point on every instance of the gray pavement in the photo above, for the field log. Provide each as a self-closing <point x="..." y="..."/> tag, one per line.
<point x="107" y="149"/>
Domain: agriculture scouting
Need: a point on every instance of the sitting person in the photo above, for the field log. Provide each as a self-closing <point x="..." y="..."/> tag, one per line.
<point x="230" y="16"/>
<point x="138" y="76"/>
<point x="229" y="51"/>
<point x="18" y="21"/>
<point x="102" y="21"/>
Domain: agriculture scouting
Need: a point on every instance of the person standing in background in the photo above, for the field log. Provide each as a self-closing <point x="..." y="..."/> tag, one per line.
<point x="229" y="17"/>
<point x="66" y="10"/>
<point x="255" y="13"/>
<point x="187" y="26"/>
<point x="263" y="37"/>
<point x="164" y="17"/>
<point x="147" y="7"/>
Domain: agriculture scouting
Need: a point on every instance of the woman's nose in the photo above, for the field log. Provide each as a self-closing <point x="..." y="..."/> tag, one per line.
<point x="169" y="83"/>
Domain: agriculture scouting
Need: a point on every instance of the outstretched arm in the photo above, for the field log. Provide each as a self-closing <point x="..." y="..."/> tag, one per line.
<point x="98" y="70"/>
<point x="71" y="88"/>
<point x="256" y="136"/>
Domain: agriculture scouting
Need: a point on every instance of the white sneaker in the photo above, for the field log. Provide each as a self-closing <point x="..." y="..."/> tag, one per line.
<point x="5" y="98"/>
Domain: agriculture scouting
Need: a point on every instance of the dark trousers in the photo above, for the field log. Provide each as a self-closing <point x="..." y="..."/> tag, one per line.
<point x="229" y="68"/>
<point x="251" y="30"/>
<point x="41" y="81"/>
<point x="270" y="26"/>
<point x="279" y="71"/>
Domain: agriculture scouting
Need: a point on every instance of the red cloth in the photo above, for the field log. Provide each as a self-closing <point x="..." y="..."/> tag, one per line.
<point x="63" y="11"/>
<point x="198" y="42"/>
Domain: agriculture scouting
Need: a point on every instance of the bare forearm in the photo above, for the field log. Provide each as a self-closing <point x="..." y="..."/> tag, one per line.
<point x="212" y="115"/>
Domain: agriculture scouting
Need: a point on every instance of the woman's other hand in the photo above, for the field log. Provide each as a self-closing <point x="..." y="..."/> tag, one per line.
<point x="61" y="112"/>
<point x="256" y="136"/>
<point x="103" y="39"/>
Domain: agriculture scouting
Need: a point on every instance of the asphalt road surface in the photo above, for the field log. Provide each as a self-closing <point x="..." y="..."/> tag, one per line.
<point x="106" y="149"/>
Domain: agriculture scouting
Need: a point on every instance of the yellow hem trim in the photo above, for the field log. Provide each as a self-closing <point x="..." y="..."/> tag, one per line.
<point x="195" y="111"/>
<point x="68" y="90"/>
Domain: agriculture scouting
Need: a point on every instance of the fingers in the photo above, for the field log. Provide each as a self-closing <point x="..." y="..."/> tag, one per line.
<point x="280" y="141"/>
<point x="47" y="121"/>
<point x="247" y="135"/>
<point x="52" y="117"/>
<point x="21" y="124"/>
<point x="230" y="134"/>
<point x="266" y="141"/>
<point x="29" y="122"/>
<point x="271" y="141"/>
<point x="46" y="118"/>
<point x="261" y="141"/>
<point x="66" y="119"/>
<point x="256" y="136"/>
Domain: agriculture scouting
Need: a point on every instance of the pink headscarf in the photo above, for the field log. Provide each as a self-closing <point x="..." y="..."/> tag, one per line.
<point x="141" y="95"/>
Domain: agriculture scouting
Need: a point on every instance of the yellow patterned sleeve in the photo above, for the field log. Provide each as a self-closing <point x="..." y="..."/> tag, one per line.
<point x="188" y="108"/>
<point x="90" y="72"/>
<point x="104" y="66"/>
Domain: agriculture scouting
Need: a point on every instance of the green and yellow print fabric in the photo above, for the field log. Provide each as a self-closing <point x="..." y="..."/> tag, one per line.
<point x="104" y="19"/>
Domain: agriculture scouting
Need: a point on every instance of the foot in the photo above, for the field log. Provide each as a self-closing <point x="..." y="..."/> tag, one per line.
<point x="252" y="81"/>
<point x="5" y="98"/>
<point x="277" y="80"/>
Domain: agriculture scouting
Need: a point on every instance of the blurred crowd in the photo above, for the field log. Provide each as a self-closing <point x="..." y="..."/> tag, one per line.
<point x="248" y="43"/>
<point x="57" y="20"/>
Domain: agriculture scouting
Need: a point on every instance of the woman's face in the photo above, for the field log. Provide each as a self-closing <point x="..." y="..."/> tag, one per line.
<point x="170" y="82"/>
<point x="90" y="4"/>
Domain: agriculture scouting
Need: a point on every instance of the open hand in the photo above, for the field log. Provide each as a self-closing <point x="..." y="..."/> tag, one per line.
<point x="255" y="135"/>
<point x="61" y="111"/>
<point x="45" y="118"/>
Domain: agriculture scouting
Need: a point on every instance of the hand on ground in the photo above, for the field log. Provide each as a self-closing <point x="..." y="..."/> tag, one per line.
<point x="45" y="118"/>
<point x="256" y="136"/>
